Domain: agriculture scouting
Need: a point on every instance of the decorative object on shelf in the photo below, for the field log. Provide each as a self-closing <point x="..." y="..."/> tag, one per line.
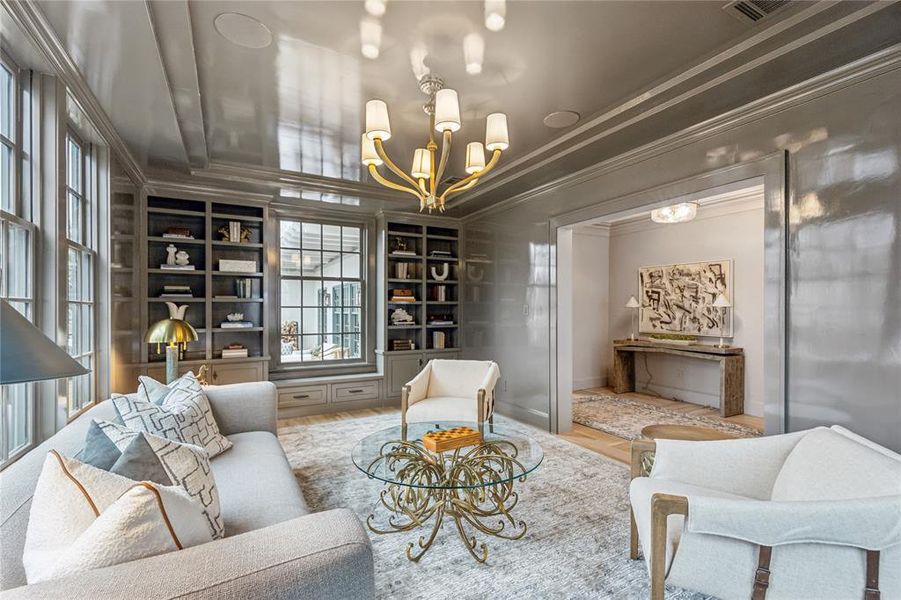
<point x="170" y="254"/>
<point x="182" y="259"/>
<point x="475" y="273"/>
<point x="441" y="254"/>
<point x="237" y="266"/>
<point x="201" y="375"/>
<point x="439" y="273"/>
<point x="401" y="317"/>
<point x="399" y="247"/>
<point x="442" y="440"/>
<point x="402" y="295"/>
<point x="439" y="293"/>
<point x="438" y="340"/>
<point x="633" y="305"/>
<point x="244" y="287"/>
<point x="177" y="260"/>
<point x="26" y="354"/>
<point x="176" y="291"/>
<point x="722" y="303"/>
<point x="236" y="316"/>
<point x="182" y="233"/>
<point x="235" y="233"/>
<point x="398" y="345"/>
<point x="679" y="298"/>
<point x="234" y="351"/>
<point x="428" y="168"/>
<point x="177" y="312"/>
<point x="676" y="213"/>
<point x="176" y="334"/>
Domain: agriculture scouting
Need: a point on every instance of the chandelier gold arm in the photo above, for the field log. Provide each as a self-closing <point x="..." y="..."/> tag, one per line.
<point x="450" y="192"/>
<point x="442" y="163"/>
<point x="380" y="150"/>
<point x="373" y="171"/>
<point x="465" y="181"/>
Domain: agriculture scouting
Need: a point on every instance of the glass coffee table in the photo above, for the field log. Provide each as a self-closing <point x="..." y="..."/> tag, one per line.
<point x="473" y="486"/>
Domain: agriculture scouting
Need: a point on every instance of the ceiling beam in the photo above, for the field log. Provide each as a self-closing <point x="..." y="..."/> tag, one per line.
<point x="32" y="21"/>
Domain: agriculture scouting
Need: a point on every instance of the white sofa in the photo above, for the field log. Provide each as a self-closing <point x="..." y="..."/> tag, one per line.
<point x="451" y="390"/>
<point x="819" y="499"/>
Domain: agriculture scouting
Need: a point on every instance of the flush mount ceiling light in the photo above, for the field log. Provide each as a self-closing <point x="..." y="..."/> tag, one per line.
<point x="561" y="119"/>
<point x="376" y="8"/>
<point x="242" y="30"/>
<point x="495" y="14"/>
<point x="443" y="109"/>
<point x="370" y="38"/>
<point x="676" y="213"/>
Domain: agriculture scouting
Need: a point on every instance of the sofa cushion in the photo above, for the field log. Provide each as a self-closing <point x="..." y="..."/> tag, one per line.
<point x="137" y="461"/>
<point x="460" y="378"/>
<point x="826" y="465"/>
<point x="257" y="487"/>
<point x="86" y="518"/>
<point x="443" y="408"/>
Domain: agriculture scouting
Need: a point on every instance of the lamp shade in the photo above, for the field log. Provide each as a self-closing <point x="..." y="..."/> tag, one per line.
<point x="170" y="331"/>
<point x="26" y="354"/>
<point x="721" y="301"/>
<point x="368" y="155"/>
<point x="632" y="303"/>
<point x="422" y="164"/>
<point x="377" y="125"/>
<point x="475" y="157"/>
<point x="496" y="137"/>
<point x="447" y="110"/>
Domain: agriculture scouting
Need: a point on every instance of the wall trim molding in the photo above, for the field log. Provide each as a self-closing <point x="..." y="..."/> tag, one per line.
<point x="847" y="75"/>
<point x="31" y="20"/>
<point x="751" y="202"/>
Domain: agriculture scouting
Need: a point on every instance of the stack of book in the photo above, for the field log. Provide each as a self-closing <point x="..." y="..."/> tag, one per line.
<point x="402" y="295"/>
<point x="439" y="293"/>
<point x="178" y="233"/>
<point x="441" y="254"/>
<point x="177" y="267"/>
<point x="441" y="320"/>
<point x="403" y="345"/>
<point x="403" y="253"/>
<point x="235" y="324"/>
<point x="438" y="340"/>
<point x="234" y="351"/>
<point x="177" y="291"/>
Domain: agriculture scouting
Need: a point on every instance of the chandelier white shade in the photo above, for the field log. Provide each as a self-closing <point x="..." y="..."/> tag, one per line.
<point x="676" y="213"/>
<point x="427" y="171"/>
<point x="377" y="125"/>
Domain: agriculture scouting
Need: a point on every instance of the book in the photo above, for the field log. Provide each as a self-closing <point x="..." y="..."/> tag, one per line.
<point x="234" y="353"/>
<point x="403" y="345"/>
<point x="177" y="267"/>
<point x="235" y="324"/>
<point x="438" y="339"/>
<point x="177" y="236"/>
<point x="403" y="253"/>
<point x="174" y="295"/>
<point x="440" y="254"/>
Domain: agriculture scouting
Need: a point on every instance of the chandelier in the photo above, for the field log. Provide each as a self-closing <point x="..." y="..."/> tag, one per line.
<point x="428" y="168"/>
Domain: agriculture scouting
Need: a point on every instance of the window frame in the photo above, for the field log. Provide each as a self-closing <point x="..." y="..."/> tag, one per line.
<point x="366" y="362"/>
<point x="87" y="196"/>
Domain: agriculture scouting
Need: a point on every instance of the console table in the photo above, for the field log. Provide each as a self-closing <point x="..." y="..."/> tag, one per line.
<point x="731" y="360"/>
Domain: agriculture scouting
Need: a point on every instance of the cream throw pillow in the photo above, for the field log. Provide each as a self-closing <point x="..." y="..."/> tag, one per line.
<point x="85" y="518"/>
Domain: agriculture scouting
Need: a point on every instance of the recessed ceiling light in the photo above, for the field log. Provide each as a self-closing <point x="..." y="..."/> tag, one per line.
<point x="242" y="30"/>
<point x="561" y="119"/>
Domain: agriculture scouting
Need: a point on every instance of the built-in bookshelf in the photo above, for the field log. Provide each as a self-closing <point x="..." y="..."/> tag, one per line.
<point x="220" y="269"/>
<point x="422" y="287"/>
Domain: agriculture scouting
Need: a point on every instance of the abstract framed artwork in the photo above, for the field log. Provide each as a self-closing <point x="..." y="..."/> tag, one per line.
<point x="679" y="298"/>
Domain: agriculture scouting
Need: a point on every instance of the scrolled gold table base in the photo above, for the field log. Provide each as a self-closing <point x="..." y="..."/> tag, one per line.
<point x="473" y="488"/>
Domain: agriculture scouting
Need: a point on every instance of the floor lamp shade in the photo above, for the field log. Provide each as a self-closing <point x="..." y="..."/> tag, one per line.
<point x="26" y="354"/>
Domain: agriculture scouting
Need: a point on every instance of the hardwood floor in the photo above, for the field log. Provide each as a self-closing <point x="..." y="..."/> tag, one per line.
<point x="617" y="448"/>
<point x="611" y="446"/>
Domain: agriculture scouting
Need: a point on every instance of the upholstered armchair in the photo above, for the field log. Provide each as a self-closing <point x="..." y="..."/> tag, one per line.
<point x="811" y="514"/>
<point x="451" y="390"/>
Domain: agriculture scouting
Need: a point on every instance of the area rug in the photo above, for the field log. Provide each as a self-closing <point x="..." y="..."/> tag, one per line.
<point x="625" y="417"/>
<point x="575" y="505"/>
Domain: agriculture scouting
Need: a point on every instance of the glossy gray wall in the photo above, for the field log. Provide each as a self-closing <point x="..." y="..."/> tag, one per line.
<point x="841" y="273"/>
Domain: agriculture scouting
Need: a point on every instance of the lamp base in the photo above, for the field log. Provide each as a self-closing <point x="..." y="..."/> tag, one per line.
<point x="171" y="363"/>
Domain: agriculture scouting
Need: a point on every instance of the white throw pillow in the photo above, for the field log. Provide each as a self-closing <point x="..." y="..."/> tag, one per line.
<point x="181" y="413"/>
<point x="85" y="518"/>
<point x="186" y="465"/>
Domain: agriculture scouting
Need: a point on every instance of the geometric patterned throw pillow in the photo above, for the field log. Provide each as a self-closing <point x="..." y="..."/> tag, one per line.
<point x="186" y="465"/>
<point x="182" y="414"/>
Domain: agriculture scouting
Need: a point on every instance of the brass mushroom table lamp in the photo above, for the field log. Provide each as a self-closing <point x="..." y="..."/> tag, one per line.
<point x="175" y="333"/>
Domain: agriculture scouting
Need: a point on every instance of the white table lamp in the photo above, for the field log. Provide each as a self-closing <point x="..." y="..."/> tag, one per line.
<point x="634" y="305"/>
<point x="722" y="303"/>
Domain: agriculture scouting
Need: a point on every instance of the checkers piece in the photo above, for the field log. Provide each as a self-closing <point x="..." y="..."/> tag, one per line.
<point x="442" y="440"/>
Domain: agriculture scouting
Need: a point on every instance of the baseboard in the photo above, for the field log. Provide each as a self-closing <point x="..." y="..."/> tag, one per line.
<point x="527" y="415"/>
<point x="589" y="382"/>
<point x="674" y="393"/>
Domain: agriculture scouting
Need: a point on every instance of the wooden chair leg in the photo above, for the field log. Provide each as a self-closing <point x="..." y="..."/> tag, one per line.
<point x="633" y="536"/>
<point x="662" y="506"/>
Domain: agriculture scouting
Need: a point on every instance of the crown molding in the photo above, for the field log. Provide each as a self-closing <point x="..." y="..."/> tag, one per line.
<point x="546" y="155"/>
<point x="847" y="75"/>
<point x="32" y="21"/>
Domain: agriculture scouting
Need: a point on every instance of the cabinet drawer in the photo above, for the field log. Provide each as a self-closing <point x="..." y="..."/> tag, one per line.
<point x="225" y="374"/>
<point x="302" y="396"/>
<point x="362" y="390"/>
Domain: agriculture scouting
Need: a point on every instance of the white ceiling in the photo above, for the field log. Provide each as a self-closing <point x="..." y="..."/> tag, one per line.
<point x="174" y="88"/>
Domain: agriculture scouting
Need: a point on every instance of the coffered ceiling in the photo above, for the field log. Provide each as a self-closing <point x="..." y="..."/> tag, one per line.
<point x="185" y="98"/>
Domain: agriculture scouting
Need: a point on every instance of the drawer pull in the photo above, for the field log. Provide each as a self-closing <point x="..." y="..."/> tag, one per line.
<point x="355" y="391"/>
<point x="301" y="396"/>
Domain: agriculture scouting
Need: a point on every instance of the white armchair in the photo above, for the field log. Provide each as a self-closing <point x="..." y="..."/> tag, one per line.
<point x="812" y="514"/>
<point x="451" y="390"/>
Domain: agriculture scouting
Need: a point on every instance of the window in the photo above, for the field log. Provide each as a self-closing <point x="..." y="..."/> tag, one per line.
<point x="82" y="257"/>
<point x="17" y="240"/>
<point x="322" y="301"/>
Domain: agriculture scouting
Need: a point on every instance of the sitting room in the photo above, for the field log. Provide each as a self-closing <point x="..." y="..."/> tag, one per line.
<point x="416" y="299"/>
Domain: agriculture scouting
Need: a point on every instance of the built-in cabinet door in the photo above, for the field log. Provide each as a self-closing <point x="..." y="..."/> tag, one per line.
<point x="399" y="370"/>
<point x="159" y="372"/>
<point x="226" y="373"/>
